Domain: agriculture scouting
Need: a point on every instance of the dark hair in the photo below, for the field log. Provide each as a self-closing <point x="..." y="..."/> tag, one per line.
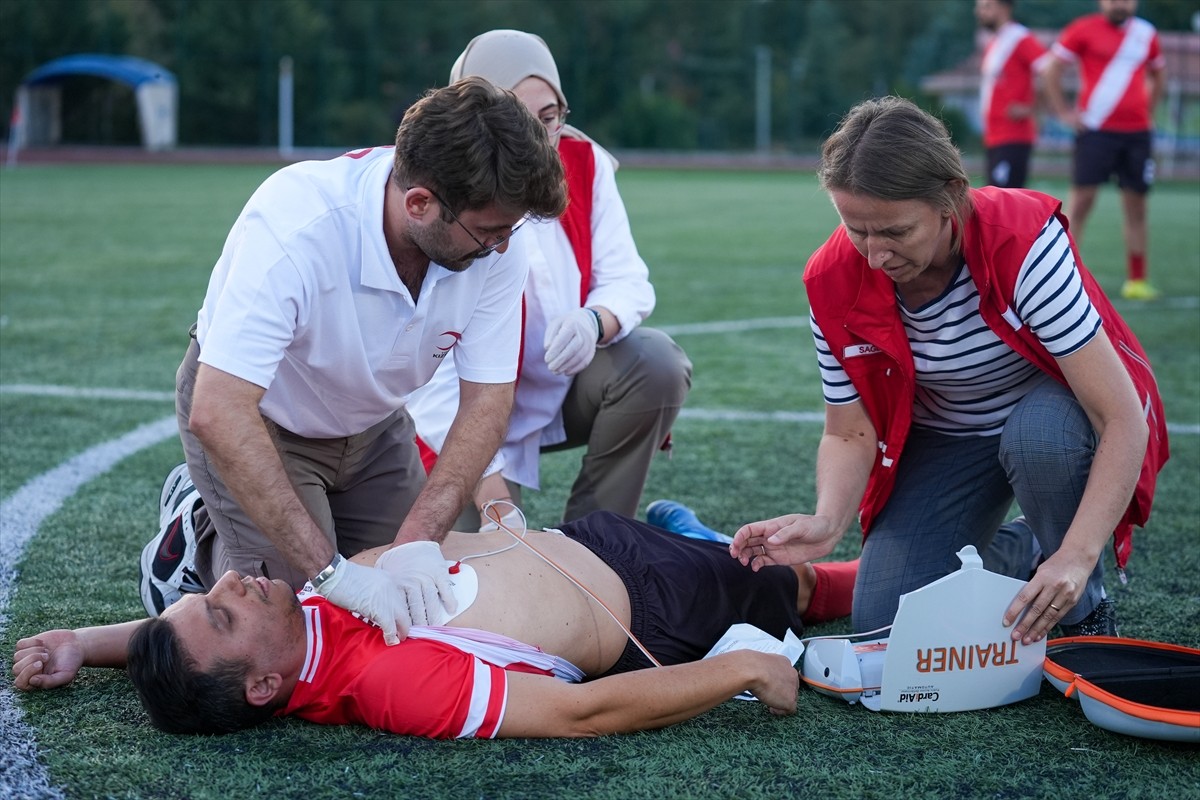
<point x="179" y="697"/>
<point x="890" y="149"/>
<point x="475" y="144"/>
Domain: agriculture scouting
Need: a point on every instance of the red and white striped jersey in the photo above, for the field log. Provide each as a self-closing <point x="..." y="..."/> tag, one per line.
<point x="441" y="683"/>
<point x="1009" y="63"/>
<point x="1112" y="60"/>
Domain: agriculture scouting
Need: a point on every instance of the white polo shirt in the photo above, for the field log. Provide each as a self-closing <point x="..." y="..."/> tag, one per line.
<point x="620" y="283"/>
<point x="306" y="303"/>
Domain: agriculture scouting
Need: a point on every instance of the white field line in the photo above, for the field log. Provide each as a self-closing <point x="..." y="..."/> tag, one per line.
<point x="733" y="325"/>
<point x="21" y="515"/>
<point x="732" y="415"/>
<point x="84" y="393"/>
<point x="698" y="414"/>
<point x="763" y="323"/>
<point x="719" y="415"/>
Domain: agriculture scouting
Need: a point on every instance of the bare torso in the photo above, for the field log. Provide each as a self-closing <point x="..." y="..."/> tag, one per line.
<point x="523" y="597"/>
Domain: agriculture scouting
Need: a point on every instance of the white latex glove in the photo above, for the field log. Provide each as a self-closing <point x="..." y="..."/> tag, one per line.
<point x="514" y="520"/>
<point x="418" y="570"/>
<point x="570" y="342"/>
<point x="373" y="595"/>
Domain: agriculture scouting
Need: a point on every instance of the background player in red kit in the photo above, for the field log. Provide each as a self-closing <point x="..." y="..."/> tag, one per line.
<point x="1122" y="75"/>
<point x="1007" y="95"/>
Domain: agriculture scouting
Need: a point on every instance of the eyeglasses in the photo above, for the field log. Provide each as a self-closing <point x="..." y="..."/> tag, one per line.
<point x="484" y="249"/>
<point x="553" y="121"/>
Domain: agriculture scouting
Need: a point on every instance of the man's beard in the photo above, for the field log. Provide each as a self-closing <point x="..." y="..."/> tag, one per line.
<point x="434" y="242"/>
<point x="294" y="618"/>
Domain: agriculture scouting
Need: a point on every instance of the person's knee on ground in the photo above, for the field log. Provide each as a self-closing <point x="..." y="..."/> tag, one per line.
<point x="950" y="492"/>
<point x="664" y="370"/>
<point x="643" y="375"/>
<point x="1047" y="449"/>
<point x="622" y="407"/>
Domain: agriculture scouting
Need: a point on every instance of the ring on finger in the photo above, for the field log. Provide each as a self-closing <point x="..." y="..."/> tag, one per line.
<point x="1056" y="608"/>
<point x="763" y="548"/>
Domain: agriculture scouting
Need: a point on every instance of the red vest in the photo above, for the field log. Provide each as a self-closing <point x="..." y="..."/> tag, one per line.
<point x="856" y="306"/>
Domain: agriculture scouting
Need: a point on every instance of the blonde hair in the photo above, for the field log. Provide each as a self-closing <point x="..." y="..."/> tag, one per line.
<point x="891" y="149"/>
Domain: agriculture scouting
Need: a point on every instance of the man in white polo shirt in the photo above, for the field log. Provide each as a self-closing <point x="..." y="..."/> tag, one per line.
<point x="341" y="288"/>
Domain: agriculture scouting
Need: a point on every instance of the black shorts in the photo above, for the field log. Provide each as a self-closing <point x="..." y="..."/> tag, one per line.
<point x="684" y="593"/>
<point x="1101" y="154"/>
<point x="1008" y="164"/>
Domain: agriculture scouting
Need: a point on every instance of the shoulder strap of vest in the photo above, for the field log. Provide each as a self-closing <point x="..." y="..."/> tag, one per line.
<point x="579" y="164"/>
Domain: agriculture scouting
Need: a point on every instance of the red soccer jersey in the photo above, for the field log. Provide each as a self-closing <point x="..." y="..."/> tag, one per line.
<point x="420" y="687"/>
<point x="1008" y="69"/>
<point x="1112" y="60"/>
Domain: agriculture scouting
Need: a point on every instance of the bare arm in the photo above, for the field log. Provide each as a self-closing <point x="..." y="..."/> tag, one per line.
<point x="1104" y="389"/>
<point x="1157" y="80"/>
<point x="650" y="698"/>
<point x="1052" y="86"/>
<point x="53" y="658"/>
<point x="474" y="437"/>
<point x="226" y="420"/>
<point x="844" y="460"/>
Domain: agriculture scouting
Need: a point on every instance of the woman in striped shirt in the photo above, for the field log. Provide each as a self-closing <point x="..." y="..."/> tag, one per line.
<point x="968" y="359"/>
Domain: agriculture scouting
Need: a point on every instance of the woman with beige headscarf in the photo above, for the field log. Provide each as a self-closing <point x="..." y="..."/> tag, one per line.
<point x="590" y="374"/>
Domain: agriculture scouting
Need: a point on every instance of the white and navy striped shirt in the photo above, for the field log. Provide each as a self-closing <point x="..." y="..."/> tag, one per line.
<point x="968" y="380"/>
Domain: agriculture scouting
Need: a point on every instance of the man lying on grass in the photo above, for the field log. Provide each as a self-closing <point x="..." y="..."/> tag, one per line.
<point x="505" y="665"/>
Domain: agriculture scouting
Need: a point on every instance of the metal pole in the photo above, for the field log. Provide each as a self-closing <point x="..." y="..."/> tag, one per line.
<point x="286" y="89"/>
<point x="16" y="126"/>
<point x="762" y="98"/>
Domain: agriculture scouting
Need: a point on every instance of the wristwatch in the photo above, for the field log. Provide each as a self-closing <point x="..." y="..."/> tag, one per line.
<point x="327" y="573"/>
<point x="599" y="323"/>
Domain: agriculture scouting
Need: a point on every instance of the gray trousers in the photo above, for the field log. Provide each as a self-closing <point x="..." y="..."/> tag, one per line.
<point x="357" y="488"/>
<point x="952" y="491"/>
<point x="621" y="408"/>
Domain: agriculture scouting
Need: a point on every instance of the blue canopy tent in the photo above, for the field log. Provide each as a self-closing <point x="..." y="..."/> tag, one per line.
<point x="39" y="97"/>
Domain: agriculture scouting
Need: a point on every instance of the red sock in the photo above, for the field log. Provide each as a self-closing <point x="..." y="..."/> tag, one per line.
<point x="833" y="595"/>
<point x="1137" y="266"/>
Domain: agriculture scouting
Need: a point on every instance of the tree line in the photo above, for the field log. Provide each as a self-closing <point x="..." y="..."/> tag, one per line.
<point x="656" y="74"/>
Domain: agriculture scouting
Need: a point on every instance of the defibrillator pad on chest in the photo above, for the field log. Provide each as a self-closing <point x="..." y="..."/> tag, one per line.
<point x="465" y="581"/>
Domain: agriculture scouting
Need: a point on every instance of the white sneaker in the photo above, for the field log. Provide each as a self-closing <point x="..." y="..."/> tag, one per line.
<point x="167" y="566"/>
<point x="175" y="487"/>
